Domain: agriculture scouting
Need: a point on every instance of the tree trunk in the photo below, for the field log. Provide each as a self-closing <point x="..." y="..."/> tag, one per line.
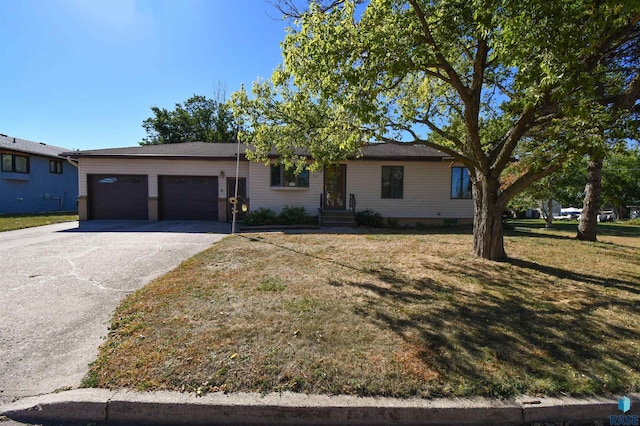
<point x="549" y="218"/>
<point x="619" y="210"/>
<point x="488" y="240"/>
<point x="588" y="226"/>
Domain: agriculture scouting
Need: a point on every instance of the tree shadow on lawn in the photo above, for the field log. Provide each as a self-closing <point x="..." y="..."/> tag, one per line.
<point x="624" y="285"/>
<point x="505" y="328"/>
<point x="511" y="335"/>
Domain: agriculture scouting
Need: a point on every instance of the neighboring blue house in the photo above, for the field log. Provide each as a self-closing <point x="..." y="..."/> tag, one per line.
<point x="34" y="178"/>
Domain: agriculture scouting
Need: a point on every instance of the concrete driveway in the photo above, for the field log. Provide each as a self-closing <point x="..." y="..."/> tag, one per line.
<point x="59" y="286"/>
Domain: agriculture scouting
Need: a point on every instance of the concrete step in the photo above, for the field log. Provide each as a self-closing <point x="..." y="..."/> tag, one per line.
<point x="340" y="224"/>
<point x="338" y="218"/>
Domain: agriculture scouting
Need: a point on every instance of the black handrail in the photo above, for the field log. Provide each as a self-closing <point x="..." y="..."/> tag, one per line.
<point x="321" y="201"/>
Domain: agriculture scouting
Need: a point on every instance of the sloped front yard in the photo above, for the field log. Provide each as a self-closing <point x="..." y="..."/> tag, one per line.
<point x="385" y="314"/>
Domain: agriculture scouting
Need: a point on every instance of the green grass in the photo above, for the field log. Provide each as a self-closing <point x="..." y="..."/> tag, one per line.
<point x="21" y="221"/>
<point x="620" y="228"/>
<point x="408" y="313"/>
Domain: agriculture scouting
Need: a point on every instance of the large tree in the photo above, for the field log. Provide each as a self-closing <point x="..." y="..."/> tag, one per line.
<point x="475" y="79"/>
<point x="616" y="91"/>
<point x="199" y="119"/>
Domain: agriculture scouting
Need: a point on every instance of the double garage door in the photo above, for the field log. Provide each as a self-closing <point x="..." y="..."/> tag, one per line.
<point x="179" y="197"/>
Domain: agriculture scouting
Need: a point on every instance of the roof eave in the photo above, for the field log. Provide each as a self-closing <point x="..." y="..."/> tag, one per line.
<point x="78" y="155"/>
<point x="400" y="158"/>
<point x="24" y="151"/>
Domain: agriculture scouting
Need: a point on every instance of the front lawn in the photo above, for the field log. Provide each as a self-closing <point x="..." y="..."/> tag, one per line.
<point x="386" y="313"/>
<point x="20" y="221"/>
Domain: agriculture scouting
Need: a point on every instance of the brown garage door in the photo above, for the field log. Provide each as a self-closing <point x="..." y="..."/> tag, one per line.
<point x="118" y="196"/>
<point x="188" y="197"/>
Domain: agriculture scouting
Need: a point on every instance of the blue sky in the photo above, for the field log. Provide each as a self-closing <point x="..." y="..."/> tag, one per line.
<point x="83" y="74"/>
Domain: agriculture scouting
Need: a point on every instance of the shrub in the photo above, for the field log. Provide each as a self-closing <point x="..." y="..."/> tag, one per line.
<point x="293" y="216"/>
<point x="288" y="216"/>
<point x="260" y="216"/>
<point x="368" y="218"/>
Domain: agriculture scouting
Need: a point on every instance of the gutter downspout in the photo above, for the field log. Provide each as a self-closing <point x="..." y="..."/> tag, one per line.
<point x="72" y="162"/>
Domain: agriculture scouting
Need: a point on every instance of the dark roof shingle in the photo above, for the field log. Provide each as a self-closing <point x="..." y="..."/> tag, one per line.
<point x="373" y="151"/>
<point x="400" y="151"/>
<point x="29" y="147"/>
<point x="186" y="150"/>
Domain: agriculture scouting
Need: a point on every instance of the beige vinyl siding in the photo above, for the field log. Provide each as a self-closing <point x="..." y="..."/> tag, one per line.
<point x="426" y="190"/>
<point x="263" y="195"/>
<point x="426" y="185"/>
<point x="159" y="167"/>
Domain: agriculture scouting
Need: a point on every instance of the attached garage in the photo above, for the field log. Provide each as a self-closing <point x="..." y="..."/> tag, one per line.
<point x="118" y="196"/>
<point x="177" y="181"/>
<point x="188" y="197"/>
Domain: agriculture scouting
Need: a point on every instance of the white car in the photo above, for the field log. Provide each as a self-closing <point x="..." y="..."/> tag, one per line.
<point x="606" y="216"/>
<point x="569" y="213"/>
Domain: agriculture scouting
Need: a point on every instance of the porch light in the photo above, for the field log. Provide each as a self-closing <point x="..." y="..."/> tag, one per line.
<point x="221" y="174"/>
<point x="245" y="208"/>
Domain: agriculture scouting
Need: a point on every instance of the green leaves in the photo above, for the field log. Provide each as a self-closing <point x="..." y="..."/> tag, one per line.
<point x="485" y="81"/>
<point x="199" y="120"/>
<point x="469" y="77"/>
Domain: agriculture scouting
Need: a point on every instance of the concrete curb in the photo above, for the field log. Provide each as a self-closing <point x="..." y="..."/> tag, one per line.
<point x="127" y="407"/>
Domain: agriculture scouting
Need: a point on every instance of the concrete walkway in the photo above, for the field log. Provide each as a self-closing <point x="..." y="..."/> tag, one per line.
<point x="61" y="283"/>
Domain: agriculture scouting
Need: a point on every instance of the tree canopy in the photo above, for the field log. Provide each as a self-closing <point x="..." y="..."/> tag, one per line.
<point x="621" y="180"/>
<point x="488" y="82"/>
<point x="199" y="119"/>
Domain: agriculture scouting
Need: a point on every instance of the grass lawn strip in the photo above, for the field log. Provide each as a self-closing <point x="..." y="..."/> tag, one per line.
<point x="13" y="222"/>
<point x="389" y="314"/>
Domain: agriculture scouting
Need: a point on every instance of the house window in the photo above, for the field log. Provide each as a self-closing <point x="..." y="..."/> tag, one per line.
<point x="460" y="183"/>
<point x="283" y="177"/>
<point x="392" y="181"/>
<point x="55" y="166"/>
<point x="15" y="163"/>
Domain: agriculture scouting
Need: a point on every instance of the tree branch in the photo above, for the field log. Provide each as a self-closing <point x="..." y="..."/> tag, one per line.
<point x="469" y="162"/>
<point x="630" y="96"/>
<point x="524" y="181"/>
<point x="503" y="150"/>
<point x="290" y="10"/>
<point x="472" y="108"/>
<point x="456" y="81"/>
<point x="439" y="131"/>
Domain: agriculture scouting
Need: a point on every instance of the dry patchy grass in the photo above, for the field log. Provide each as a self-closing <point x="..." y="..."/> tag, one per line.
<point x="12" y="222"/>
<point x="404" y="314"/>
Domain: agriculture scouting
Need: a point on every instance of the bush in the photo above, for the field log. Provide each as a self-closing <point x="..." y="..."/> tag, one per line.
<point x="260" y="216"/>
<point x="393" y="222"/>
<point x="368" y="218"/>
<point x="293" y="216"/>
<point x="288" y="216"/>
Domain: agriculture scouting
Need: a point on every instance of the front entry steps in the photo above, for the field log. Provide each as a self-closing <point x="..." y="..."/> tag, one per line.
<point x="337" y="218"/>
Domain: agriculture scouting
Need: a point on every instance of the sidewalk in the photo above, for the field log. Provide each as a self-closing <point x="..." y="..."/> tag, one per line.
<point x="103" y="406"/>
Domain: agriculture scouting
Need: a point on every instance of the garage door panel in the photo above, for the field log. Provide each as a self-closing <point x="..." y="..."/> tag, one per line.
<point x="118" y="196"/>
<point x="188" y="197"/>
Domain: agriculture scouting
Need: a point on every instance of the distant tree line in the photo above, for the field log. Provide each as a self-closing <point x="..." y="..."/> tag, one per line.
<point x="198" y="119"/>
